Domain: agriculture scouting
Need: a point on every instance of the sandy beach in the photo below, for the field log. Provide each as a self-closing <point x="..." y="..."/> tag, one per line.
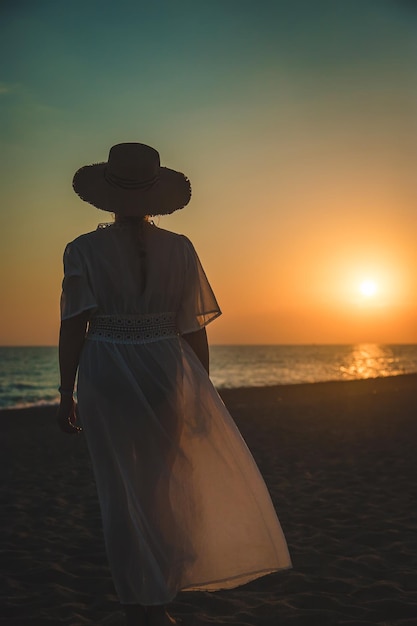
<point x="340" y="461"/>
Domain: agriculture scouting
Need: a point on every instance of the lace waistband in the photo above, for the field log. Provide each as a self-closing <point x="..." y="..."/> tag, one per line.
<point x="132" y="328"/>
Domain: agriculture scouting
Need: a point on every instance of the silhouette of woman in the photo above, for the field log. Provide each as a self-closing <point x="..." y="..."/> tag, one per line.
<point x="183" y="504"/>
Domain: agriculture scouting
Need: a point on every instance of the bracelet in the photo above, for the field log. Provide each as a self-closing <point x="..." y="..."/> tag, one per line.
<point x="65" y="392"/>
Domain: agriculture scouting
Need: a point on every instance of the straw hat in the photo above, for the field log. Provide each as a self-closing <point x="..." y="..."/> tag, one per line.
<point x="132" y="182"/>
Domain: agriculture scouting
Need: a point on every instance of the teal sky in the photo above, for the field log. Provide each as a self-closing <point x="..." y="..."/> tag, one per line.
<point x="294" y="119"/>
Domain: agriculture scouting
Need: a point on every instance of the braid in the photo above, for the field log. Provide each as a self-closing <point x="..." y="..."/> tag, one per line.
<point x="136" y="228"/>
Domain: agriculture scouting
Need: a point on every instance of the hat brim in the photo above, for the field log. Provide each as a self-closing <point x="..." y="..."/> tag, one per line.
<point x="172" y="191"/>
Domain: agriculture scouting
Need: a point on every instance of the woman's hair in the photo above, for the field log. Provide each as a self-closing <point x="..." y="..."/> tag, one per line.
<point x="136" y="229"/>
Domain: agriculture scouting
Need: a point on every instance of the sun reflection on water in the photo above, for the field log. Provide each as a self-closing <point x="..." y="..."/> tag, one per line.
<point x="369" y="360"/>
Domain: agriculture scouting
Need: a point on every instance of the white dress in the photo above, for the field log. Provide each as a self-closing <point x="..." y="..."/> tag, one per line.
<point x="183" y="504"/>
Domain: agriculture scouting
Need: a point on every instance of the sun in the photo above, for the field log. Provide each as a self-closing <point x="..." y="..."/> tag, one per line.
<point x="368" y="288"/>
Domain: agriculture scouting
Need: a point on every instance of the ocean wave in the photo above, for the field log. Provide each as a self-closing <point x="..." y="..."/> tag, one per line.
<point x="30" y="405"/>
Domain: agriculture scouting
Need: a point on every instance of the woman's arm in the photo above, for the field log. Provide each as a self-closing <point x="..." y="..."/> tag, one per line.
<point x="71" y="341"/>
<point x="198" y="342"/>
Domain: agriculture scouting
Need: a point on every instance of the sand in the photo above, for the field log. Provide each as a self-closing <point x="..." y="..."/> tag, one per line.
<point x="340" y="462"/>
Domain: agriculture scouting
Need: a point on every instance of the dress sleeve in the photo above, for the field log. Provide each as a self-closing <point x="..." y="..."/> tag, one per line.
<point x="77" y="295"/>
<point x="198" y="305"/>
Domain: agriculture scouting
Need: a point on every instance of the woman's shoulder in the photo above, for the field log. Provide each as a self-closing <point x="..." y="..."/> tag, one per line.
<point x="85" y="239"/>
<point x="169" y="235"/>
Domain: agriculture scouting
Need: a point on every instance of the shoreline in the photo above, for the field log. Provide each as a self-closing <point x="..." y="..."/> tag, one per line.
<point x="339" y="460"/>
<point x="230" y="391"/>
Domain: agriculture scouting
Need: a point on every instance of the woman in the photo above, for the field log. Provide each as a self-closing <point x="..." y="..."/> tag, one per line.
<point x="183" y="504"/>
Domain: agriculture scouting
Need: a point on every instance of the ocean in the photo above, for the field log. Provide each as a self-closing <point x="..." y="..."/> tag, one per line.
<point x="29" y="376"/>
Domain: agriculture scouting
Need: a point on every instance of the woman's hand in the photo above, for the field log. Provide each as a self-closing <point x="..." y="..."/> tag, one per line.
<point x="67" y="416"/>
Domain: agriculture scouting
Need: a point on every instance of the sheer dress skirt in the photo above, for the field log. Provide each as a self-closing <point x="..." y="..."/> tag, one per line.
<point x="183" y="504"/>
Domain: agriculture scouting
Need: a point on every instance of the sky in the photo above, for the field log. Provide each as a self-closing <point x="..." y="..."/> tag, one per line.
<point x="295" y="121"/>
